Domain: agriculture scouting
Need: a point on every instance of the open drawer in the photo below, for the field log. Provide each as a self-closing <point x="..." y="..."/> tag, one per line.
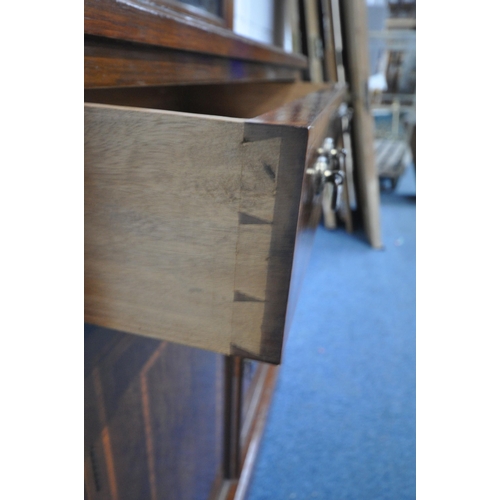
<point x="199" y="217"/>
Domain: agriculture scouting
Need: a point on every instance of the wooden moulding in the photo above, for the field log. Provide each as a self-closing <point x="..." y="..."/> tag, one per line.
<point x="155" y="24"/>
<point x="235" y="487"/>
<point x="262" y="398"/>
<point x="116" y="64"/>
<point x="192" y="222"/>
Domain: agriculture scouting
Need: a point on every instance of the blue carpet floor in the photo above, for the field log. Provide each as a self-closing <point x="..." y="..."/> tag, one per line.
<point x="342" y="421"/>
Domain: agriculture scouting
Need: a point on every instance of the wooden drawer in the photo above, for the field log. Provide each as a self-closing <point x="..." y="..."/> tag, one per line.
<point x="198" y="223"/>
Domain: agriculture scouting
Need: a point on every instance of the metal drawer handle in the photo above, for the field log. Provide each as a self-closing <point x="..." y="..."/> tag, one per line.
<point x="328" y="169"/>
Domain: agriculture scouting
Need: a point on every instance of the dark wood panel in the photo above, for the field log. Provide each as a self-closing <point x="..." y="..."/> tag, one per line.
<point x="153" y="418"/>
<point x="252" y="432"/>
<point x="308" y="110"/>
<point x="113" y="64"/>
<point x="189" y="440"/>
<point x="294" y="224"/>
<point x="151" y="24"/>
<point x="233" y="405"/>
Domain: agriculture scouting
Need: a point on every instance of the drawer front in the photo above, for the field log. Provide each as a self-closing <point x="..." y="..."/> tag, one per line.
<point x="192" y="223"/>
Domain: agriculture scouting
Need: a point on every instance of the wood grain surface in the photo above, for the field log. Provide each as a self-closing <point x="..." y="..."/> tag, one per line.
<point x="191" y="223"/>
<point x="153" y="418"/>
<point x="159" y="25"/>
<point x="161" y="218"/>
<point x="310" y="110"/>
<point x="252" y="435"/>
<point x="111" y="63"/>
<point x="314" y="114"/>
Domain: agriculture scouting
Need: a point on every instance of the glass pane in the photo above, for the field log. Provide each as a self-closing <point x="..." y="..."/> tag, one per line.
<point x="212" y="6"/>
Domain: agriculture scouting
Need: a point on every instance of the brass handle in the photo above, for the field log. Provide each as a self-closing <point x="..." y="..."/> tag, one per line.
<point x="328" y="169"/>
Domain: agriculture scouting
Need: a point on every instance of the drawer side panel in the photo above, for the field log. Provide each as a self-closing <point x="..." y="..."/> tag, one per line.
<point x="162" y="194"/>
